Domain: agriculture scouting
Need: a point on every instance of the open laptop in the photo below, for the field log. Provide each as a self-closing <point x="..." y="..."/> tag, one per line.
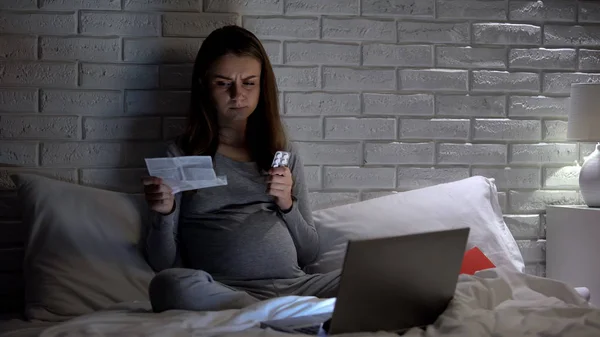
<point x="389" y="284"/>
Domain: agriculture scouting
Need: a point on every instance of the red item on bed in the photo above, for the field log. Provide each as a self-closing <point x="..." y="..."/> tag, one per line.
<point x="475" y="261"/>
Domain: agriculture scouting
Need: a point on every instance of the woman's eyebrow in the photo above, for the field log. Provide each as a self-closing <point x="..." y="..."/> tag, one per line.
<point x="223" y="77"/>
<point x="231" y="79"/>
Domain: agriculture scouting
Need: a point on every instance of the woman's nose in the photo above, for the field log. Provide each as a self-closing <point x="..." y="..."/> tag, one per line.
<point x="235" y="91"/>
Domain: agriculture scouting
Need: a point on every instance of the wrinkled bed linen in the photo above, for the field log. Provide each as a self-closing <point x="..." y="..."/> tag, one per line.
<point x="496" y="302"/>
<point x="22" y="328"/>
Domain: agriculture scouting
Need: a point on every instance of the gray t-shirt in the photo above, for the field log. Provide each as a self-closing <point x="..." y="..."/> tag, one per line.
<point x="236" y="231"/>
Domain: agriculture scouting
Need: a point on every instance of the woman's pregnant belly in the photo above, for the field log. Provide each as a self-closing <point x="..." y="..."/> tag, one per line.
<point x="240" y="246"/>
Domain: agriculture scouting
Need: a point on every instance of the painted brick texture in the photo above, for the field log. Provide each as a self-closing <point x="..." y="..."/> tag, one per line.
<point x="380" y="96"/>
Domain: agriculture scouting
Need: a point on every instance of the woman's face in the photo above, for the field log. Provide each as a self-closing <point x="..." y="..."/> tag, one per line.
<point x="235" y="87"/>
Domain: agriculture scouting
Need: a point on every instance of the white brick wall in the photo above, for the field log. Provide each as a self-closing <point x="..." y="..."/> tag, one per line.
<point x="381" y="96"/>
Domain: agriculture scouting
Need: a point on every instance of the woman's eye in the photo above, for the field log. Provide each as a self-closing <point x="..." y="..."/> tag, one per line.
<point x="223" y="84"/>
<point x="249" y="83"/>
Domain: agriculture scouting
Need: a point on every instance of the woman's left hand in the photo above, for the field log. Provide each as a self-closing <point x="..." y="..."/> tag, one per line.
<point x="280" y="186"/>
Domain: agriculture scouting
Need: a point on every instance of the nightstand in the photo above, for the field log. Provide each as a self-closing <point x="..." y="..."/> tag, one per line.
<point x="573" y="247"/>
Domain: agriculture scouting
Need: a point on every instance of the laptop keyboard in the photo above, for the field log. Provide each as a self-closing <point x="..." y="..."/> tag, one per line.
<point x="309" y="330"/>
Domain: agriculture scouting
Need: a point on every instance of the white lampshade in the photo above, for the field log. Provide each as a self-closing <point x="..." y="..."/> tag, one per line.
<point x="584" y="126"/>
<point x="584" y="114"/>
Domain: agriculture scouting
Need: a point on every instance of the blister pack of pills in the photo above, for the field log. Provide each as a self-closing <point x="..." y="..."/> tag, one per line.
<point x="281" y="159"/>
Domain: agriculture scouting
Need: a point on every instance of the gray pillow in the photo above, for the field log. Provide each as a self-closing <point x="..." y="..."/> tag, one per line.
<point x="84" y="248"/>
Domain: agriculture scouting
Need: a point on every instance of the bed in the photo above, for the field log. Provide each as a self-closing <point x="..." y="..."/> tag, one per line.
<point x="85" y="274"/>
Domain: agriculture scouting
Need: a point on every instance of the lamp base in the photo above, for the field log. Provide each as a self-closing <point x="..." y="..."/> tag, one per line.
<point x="589" y="179"/>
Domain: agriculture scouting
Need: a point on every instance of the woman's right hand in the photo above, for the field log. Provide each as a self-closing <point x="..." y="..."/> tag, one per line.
<point x="159" y="196"/>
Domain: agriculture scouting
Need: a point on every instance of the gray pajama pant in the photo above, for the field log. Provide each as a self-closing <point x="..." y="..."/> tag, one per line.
<point x="190" y="289"/>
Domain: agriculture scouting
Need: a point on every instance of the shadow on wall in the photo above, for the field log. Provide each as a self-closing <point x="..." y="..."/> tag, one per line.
<point x="156" y="101"/>
<point x="128" y="110"/>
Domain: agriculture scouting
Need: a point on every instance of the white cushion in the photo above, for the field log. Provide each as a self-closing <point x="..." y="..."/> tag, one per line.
<point x="471" y="202"/>
<point x="84" y="248"/>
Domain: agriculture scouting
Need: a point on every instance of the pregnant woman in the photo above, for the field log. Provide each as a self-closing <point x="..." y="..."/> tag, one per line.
<point x="229" y="246"/>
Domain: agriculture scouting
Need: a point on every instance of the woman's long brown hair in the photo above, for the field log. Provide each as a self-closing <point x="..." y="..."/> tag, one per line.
<point x="265" y="133"/>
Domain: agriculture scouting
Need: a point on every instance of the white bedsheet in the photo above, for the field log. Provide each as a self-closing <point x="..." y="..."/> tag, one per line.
<point x="496" y="302"/>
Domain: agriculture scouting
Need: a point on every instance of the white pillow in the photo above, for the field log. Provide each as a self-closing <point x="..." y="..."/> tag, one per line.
<point x="471" y="202"/>
<point x="84" y="248"/>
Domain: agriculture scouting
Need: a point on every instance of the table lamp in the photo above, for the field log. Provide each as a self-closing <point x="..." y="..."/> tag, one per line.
<point x="584" y="126"/>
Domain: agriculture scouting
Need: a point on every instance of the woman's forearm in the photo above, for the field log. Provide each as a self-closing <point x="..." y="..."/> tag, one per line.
<point x="299" y="218"/>
<point x="303" y="231"/>
<point x="161" y="240"/>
